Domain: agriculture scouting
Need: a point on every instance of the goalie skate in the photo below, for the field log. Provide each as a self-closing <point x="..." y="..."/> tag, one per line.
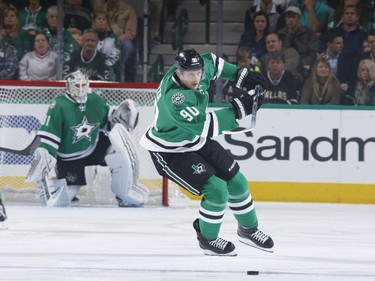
<point x="217" y="247"/>
<point x="255" y="238"/>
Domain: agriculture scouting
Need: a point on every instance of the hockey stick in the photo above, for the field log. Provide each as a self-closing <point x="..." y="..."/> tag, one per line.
<point x="26" y="151"/>
<point x="253" y="119"/>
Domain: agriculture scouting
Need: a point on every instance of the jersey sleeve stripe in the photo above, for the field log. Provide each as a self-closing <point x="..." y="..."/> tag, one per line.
<point x="219" y="65"/>
<point x="169" y="145"/>
<point x="52" y="137"/>
<point x="214" y="126"/>
<point x="50" y="143"/>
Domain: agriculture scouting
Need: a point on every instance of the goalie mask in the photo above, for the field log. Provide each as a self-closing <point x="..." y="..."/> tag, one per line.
<point x="78" y="86"/>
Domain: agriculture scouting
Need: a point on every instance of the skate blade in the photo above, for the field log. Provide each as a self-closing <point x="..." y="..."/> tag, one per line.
<point x="249" y="243"/>
<point x="210" y="253"/>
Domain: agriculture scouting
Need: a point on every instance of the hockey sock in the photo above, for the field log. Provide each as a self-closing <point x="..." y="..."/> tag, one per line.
<point x="212" y="207"/>
<point x="241" y="202"/>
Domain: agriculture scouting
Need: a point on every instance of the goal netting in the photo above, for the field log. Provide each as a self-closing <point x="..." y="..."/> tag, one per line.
<point x="23" y="106"/>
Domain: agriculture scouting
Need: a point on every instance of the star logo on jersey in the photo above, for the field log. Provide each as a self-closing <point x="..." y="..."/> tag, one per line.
<point x="199" y="169"/>
<point x="178" y="98"/>
<point x="83" y="130"/>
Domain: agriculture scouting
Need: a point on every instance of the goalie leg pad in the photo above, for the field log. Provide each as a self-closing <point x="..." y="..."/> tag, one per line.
<point x="123" y="185"/>
<point x="124" y="165"/>
<point x="53" y="193"/>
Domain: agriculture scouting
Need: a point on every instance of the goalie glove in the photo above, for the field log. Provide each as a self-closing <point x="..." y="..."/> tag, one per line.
<point x="126" y="114"/>
<point x="42" y="165"/>
<point x="247" y="80"/>
<point x="243" y="105"/>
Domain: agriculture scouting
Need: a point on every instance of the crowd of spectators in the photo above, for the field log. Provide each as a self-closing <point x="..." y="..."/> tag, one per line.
<point x="98" y="39"/>
<point x="328" y="46"/>
<point x="324" y="48"/>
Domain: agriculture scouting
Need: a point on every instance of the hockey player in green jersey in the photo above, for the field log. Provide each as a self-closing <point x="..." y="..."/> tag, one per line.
<point x="75" y="135"/>
<point x="181" y="146"/>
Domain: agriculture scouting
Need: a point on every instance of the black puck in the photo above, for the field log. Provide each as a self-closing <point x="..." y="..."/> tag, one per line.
<point x="253" y="273"/>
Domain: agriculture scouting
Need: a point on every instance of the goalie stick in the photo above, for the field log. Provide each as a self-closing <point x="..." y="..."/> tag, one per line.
<point x="253" y="118"/>
<point x="26" y="151"/>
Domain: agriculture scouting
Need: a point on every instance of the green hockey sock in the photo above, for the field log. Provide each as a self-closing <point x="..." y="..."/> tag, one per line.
<point x="241" y="202"/>
<point x="212" y="207"/>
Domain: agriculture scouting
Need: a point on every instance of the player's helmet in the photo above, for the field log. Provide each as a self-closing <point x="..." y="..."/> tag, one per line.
<point x="189" y="60"/>
<point x="78" y="86"/>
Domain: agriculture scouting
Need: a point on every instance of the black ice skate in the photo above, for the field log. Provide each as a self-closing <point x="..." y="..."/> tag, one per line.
<point x="255" y="238"/>
<point x="3" y="217"/>
<point x="217" y="247"/>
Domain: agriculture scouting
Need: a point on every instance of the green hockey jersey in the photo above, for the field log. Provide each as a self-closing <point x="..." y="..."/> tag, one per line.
<point x="71" y="130"/>
<point x="181" y="122"/>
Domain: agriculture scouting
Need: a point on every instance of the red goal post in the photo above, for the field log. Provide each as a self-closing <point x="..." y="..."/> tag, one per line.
<point x="23" y="105"/>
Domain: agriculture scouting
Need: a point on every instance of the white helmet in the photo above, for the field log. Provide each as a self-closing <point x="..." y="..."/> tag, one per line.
<point x="78" y="86"/>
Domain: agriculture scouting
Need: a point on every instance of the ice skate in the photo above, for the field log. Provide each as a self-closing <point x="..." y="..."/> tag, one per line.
<point x="3" y="217"/>
<point x="255" y="238"/>
<point x="74" y="202"/>
<point x="216" y="247"/>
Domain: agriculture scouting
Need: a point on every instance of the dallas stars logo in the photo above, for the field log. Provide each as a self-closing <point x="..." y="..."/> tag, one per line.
<point x="178" y="98"/>
<point x="199" y="168"/>
<point x="83" y="130"/>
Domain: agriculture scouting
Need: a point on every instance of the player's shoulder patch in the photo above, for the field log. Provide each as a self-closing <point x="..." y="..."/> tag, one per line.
<point x="178" y="98"/>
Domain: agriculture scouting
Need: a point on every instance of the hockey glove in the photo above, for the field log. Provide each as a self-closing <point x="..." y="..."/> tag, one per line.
<point x="247" y="80"/>
<point x="243" y="105"/>
<point x="43" y="164"/>
<point x="126" y="114"/>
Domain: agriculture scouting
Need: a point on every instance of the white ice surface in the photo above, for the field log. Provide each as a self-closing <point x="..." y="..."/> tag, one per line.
<point x="312" y="242"/>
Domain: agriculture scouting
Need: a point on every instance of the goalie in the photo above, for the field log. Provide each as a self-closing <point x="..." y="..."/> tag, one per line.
<point x="74" y="135"/>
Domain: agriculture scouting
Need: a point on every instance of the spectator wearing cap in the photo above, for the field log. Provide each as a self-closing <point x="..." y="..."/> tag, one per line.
<point x="301" y="38"/>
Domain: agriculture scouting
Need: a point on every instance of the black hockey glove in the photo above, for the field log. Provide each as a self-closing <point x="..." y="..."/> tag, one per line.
<point x="247" y="80"/>
<point x="243" y="105"/>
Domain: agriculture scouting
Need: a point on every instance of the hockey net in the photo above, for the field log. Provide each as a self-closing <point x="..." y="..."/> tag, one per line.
<point x="23" y="105"/>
